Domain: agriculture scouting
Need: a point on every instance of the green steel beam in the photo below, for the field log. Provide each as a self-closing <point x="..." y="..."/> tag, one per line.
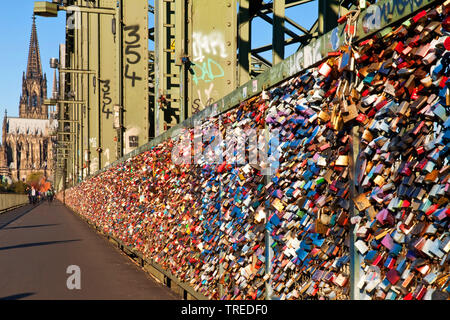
<point x="180" y="52"/>
<point x="135" y="112"/>
<point x="77" y="71"/>
<point x="169" y="22"/>
<point x="213" y="50"/>
<point x="119" y="80"/>
<point x="69" y="121"/>
<point x="270" y="46"/>
<point x="106" y="61"/>
<point x="279" y="7"/>
<point x="282" y="28"/>
<point x="296" y="25"/>
<point x="267" y="63"/>
<point x="314" y="29"/>
<point x="329" y="13"/>
<point x="53" y="102"/>
<point x="244" y="41"/>
<point x="267" y="7"/>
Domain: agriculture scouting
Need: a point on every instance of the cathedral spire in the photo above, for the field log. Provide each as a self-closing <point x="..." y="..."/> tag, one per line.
<point x="34" y="90"/>
<point x="34" y="67"/>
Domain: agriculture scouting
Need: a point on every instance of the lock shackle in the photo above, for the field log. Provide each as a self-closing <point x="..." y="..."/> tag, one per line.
<point x="350" y="29"/>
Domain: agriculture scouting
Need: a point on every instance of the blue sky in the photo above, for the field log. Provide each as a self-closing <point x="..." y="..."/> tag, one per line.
<point x="15" y="29"/>
<point x="305" y="15"/>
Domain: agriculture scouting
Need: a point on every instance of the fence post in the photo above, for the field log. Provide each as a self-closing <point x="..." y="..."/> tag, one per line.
<point x="268" y="239"/>
<point x="355" y="263"/>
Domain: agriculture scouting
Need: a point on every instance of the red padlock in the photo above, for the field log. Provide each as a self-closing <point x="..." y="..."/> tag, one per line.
<point x="447" y="44"/>
<point x="350" y="29"/>
<point x="446" y="24"/>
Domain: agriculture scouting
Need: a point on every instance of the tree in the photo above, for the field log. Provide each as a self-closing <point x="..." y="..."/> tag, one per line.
<point x="4" y="186"/>
<point x="18" y="187"/>
<point x="34" y="179"/>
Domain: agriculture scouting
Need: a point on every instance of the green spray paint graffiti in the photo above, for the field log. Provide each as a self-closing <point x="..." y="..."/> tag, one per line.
<point x="207" y="71"/>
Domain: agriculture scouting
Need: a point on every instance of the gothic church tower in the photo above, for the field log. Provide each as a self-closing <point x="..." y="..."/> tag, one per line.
<point x="34" y="83"/>
<point x="28" y="140"/>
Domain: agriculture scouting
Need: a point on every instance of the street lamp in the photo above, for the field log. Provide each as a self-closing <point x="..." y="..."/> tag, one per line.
<point x="50" y="9"/>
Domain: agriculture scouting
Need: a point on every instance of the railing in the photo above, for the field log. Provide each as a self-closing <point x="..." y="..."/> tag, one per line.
<point x="10" y="201"/>
<point x="264" y="81"/>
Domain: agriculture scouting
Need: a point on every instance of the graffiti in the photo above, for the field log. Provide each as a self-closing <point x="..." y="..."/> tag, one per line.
<point x="335" y="40"/>
<point x="132" y="56"/>
<point x="209" y="50"/>
<point x="207" y="71"/>
<point x="107" y="155"/>
<point x="312" y="54"/>
<point x="212" y="44"/>
<point x="305" y="58"/>
<point x="93" y="142"/>
<point x="198" y="104"/>
<point x="372" y="20"/>
<point x="106" y="99"/>
<point x="380" y="14"/>
<point x="73" y="18"/>
<point x="94" y="165"/>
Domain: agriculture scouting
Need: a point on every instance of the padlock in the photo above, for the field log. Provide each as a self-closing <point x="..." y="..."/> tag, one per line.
<point x="352" y="113"/>
<point x="447" y="97"/>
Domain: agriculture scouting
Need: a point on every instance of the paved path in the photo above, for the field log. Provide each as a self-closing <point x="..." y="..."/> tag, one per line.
<point x="37" y="244"/>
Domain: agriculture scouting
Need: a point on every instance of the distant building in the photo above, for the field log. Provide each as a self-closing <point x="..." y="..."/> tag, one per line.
<point x="27" y="141"/>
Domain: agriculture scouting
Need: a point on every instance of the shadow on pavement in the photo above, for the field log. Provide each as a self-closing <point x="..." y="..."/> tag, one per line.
<point x="36" y="244"/>
<point x="4" y="224"/>
<point x="17" y="296"/>
<point x="35" y="226"/>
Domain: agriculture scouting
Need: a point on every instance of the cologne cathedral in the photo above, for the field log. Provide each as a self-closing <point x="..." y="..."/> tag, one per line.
<point x="27" y="141"/>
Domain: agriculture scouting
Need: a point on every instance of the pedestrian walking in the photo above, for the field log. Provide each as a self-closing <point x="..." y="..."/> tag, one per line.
<point x="33" y="195"/>
<point x="49" y="196"/>
<point x="29" y="195"/>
